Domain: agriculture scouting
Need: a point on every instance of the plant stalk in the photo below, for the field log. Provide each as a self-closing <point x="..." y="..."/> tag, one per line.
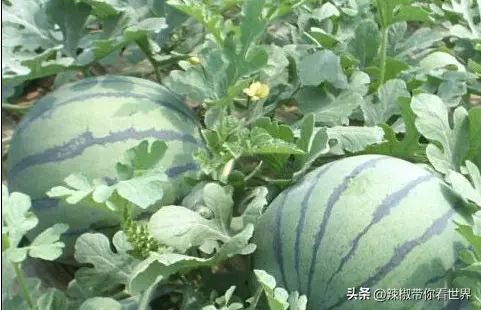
<point x="256" y="298"/>
<point x="144" y="48"/>
<point x="16" y="107"/>
<point x="23" y="285"/>
<point x="384" y="38"/>
<point x="86" y="72"/>
<point x="253" y="172"/>
<point x="383" y="56"/>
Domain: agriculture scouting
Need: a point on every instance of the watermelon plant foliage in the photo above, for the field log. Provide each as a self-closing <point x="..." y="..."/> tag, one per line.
<point x="281" y="87"/>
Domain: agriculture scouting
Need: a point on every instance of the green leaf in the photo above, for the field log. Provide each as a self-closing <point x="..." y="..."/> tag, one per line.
<point x="277" y="297"/>
<point x="145" y="27"/>
<point x="228" y="141"/>
<point x="261" y="142"/>
<point x="394" y="67"/>
<point x="140" y="174"/>
<point x="183" y="228"/>
<point x="237" y="245"/>
<point x="16" y="255"/>
<point x="16" y="216"/>
<point x="71" y="18"/>
<point x="15" y="302"/>
<point x="418" y="42"/>
<point x="451" y="90"/>
<point x="25" y="24"/>
<point x="77" y="293"/>
<point x="109" y="269"/>
<point x="244" y="56"/>
<point x="328" y="110"/>
<point x="212" y="21"/>
<point x="140" y="159"/>
<point x="469" y="191"/>
<point x="359" y="82"/>
<point x="96" y="303"/>
<point x="439" y="60"/>
<point x="224" y="302"/>
<point x="219" y="200"/>
<point x="57" y="29"/>
<point x="53" y="299"/>
<point x="323" y="37"/>
<point x="80" y="188"/>
<point x="473" y="238"/>
<point x="365" y="44"/>
<point x="310" y="98"/>
<point x="140" y="180"/>
<point x="322" y="66"/>
<point x="8" y="275"/>
<point x="283" y="135"/>
<point x="408" y="147"/>
<point x="46" y="245"/>
<point x="257" y="200"/>
<point x="105" y="8"/>
<point x="297" y="302"/>
<point x="433" y="122"/>
<point x="161" y="266"/>
<point x="353" y="139"/>
<point x="469" y="30"/>
<point x="29" y="26"/>
<point x="275" y="129"/>
<point x="396" y="11"/>
<point x="40" y="65"/>
<point x="380" y="112"/>
<point x="474" y="153"/>
<point x="158" y="267"/>
<point x="219" y="77"/>
<point x="337" y="112"/>
<point x="11" y="67"/>
<point x="199" y="83"/>
<point x="313" y="142"/>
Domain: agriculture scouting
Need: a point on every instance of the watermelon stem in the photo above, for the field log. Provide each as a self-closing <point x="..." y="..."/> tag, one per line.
<point x="16" y="107"/>
<point x="23" y="285"/>
<point x="143" y="44"/>
<point x="254" y="171"/>
<point x="256" y="298"/>
<point x="6" y="145"/>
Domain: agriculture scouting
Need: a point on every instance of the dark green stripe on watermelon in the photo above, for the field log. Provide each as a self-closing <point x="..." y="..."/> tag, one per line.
<point x="300" y="225"/>
<point x="47" y="110"/>
<point x="436" y="228"/>
<point x="45" y="203"/>
<point x="121" y="83"/>
<point x="437" y="278"/>
<point x="111" y="80"/>
<point x="77" y="146"/>
<point x="380" y="212"/>
<point x="333" y="198"/>
<point x="172" y="172"/>
<point x="278" y="240"/>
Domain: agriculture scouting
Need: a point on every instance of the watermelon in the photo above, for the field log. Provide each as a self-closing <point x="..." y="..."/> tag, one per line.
<point x="362" y="223"/>
<point x="85" y="127"/>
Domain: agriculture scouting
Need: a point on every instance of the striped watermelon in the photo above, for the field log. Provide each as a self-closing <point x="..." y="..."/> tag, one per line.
<point x="85" y="127"/>
<point x="367" y="221"/>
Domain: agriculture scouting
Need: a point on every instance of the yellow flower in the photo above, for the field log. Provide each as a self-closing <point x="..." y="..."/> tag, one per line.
<point x="257" y="91"/>
<point x="194" y="60"/>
